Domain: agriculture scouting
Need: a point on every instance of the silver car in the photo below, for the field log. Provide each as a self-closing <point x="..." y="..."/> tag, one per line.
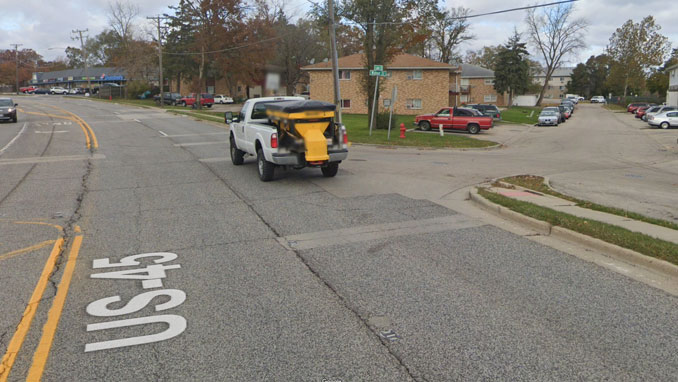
<point x="664" y="120"/>
<point x="548" y="117"/>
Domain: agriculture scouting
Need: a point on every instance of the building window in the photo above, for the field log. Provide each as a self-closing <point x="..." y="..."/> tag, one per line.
<point x="562" y="88"/>
<point x="387" y="102"/>
<point x="490" y="98"/>
<point x="416" y="75"/>
<point x="345" y="103"/>
<point x="239" y="89"/>
<point x="562" y="79"/>
<point x="413" y="103"/>
<point x="344" y="74"/>
<point x="463" y="98"/>
<point x="489" y="81"/>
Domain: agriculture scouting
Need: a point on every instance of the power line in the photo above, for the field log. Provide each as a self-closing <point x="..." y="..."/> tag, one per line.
<point x="223" y="50"/>
<point x="158" y="20"/>
<point x="16" y="59"/>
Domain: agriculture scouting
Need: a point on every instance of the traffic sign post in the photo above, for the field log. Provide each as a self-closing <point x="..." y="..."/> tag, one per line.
<point x="377" y="71"/>
<point x="394" y="95"/>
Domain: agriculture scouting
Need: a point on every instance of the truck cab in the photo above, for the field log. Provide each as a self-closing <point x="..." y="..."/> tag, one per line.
<point x="288" y="132"/>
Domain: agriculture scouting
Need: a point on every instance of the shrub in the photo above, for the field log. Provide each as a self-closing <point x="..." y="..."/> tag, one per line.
<point x="137" y="88"/>
<point x="381" y="120"/>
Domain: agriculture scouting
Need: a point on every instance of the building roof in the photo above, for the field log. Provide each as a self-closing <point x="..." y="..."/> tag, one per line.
<point x="559" y="72"/>
<point x="400" y="61"/>
<point x="79" y="73"/>
<point x="475" y="71"/>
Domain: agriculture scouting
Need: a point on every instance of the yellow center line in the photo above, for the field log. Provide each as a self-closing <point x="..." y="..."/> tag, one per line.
<point x="25" y="323"/>
<point x="70" y="118"/>
<point x="32" y="248"/>
<point x="84" y="124"/>
<point x="49" y="329"/>
<point x="60" y="228"/>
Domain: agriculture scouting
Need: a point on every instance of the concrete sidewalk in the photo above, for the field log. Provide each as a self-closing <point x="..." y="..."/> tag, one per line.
<point x="571" y="208"/>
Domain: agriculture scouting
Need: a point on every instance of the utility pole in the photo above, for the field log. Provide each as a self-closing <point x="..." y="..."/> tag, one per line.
<point x="158" y="19"/>
<point x="335" y="61"/>
<point x="16" y="59"/>
<point x="84" y="56"/>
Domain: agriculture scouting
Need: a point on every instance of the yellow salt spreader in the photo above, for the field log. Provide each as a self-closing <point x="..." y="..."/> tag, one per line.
<point x="308" y="134"/>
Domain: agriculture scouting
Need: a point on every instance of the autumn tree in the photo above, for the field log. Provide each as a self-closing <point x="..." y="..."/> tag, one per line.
<point x="485" y="57"/>
<point x="298" y="47"/>
<point x="450" y="29"/>
<point x="379" y="21"/>
<point x="512" y="71"/>
<point x="555" y="35"/>
<point x="634" y="48"/>
<point x="28" y="63"/>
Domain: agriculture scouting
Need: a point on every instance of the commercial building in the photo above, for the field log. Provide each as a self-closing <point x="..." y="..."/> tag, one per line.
<point x="77" y="78"/>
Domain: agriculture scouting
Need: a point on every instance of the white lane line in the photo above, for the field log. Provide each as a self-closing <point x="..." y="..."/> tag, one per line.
<point x="193" y="135"/>
<point x="200" y="143"/>
<point x="32" y="160"/>
<point x="136" y="120"/>
<point x="49" y="132"/>
<point x="161" y="133"/>
<point x="378" y="231"/>
<point x="213" y="160"/>
<point x="2" y="150"/>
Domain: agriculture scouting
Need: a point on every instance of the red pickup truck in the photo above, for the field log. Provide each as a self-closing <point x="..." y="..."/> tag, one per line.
<point x="205" y="100"/>
<point x="27" y="89"/>
<point x="467" y="119"/>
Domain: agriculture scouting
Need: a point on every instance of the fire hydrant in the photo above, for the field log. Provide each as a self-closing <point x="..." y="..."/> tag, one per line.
<point x="402" y="130"/>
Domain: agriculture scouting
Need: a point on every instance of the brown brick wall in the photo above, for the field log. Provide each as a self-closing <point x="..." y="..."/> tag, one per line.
<point x="432" y="89"/>
<point x="479" y="90"/>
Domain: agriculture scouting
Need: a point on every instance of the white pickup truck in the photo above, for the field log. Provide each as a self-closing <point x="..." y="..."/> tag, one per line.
<point x="289" y="132"/>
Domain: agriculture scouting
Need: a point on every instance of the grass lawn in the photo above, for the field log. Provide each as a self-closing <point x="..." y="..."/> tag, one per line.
<point x="610" y="233"/>
<point x="615" y="107"/>
<point x="358" y="129"/>
<point x="536" y="183"/>
<point x="518" y="114"/>
<point x="199" y="115"/>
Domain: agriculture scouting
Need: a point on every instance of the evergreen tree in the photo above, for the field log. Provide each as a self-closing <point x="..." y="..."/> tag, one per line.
<point x="512" y="72"/>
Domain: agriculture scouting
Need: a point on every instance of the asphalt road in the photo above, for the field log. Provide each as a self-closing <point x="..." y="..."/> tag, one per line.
<point x="366" y="276"/>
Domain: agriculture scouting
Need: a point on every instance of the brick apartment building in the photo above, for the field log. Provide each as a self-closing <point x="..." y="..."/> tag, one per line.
<point x="424" y="86"/>
<point x="557" y="85"/>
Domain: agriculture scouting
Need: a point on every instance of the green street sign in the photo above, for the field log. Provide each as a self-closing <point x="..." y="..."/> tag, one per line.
<point x="375" y="73"/>
<point x="378" y="68"/>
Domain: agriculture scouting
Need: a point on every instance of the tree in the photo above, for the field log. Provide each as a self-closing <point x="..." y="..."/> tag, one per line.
<point x="485" y="57"/>
<point x="382" y="38"/>
<point x="297" y="47"/>
<point x="658" y="81"/>
<point x="555" y="35"/>
<point x="580" y="82"/>
<point x="450" y="28"/>
<point x="512" y="72"/>
<point x="634" y="48"/>
<point x="29" y="62"/>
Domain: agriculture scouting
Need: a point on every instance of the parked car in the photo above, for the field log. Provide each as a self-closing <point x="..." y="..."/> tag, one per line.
<point x="205" y="100"/>
<point x="665" y="119"/>
<point x="8" y="110"/>
<point x="567" y="112"/>
<point x="77" y="91"/>
<point x="569" y="105"/>
<point x="27" y="89"/>
<point x="660" y="109"/>
<point x="651" y="109"/>
<point x="488" y="110"/>
<point x="168" y="98"/>
<point x="58" y="90"/>
<point x="557" y="110"/>
<point x="640" y="113"/>
<point x="222" y="99"/>
<point x="467" y="119"/>
<point x="40" y="91"/>
<point x="598" y="99"/>
<point x="548" y="118"/>
<point x="633" y="107"/>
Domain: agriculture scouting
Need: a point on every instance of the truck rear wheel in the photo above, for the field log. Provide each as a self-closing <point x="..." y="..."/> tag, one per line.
<point x="330" y="170"/>
<point x="265" y="167"/>
<point x="237" y="155"/>
<point x="473" y="128"/>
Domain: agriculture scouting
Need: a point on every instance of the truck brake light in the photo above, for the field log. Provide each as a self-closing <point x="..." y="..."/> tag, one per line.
<point x="345" y="134"/>
<point x="274" y="140"/>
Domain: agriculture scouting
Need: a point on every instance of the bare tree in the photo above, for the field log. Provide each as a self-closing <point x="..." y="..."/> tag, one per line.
<point x="121" y="17"/>
<point x="450" y="28"/>
<point x="555" y="35"/>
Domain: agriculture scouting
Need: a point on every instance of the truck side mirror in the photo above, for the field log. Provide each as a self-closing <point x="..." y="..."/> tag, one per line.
<point x="228" y="117"/>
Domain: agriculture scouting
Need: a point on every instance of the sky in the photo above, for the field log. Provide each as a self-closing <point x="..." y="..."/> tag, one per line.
<point x="46" y="26"/>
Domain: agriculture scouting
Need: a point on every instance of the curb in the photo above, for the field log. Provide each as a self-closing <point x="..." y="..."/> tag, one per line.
<point x="561" y="233"/>
<point x="396" y="147"/>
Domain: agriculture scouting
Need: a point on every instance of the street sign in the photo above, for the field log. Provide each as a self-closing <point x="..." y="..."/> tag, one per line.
<point x="378" y="68"/>
<point x="379" y="73"/>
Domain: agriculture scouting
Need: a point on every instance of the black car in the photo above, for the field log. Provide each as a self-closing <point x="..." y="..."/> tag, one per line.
<point x="488" y="110"/>
<point x="8" y="110"/>
<point x="40" y="91"/>
<point x="168" y="98"/>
